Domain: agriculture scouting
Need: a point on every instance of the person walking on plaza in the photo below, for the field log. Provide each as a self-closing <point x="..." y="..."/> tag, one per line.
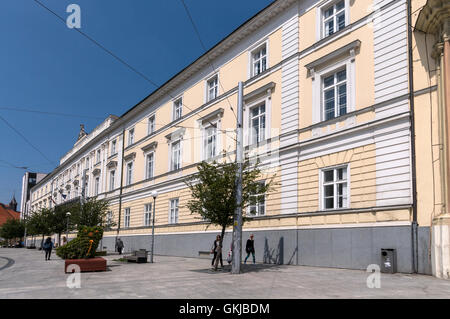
<point x="119" y="245"/>
<point x="216" y="249"/>
<point x="250" y="248"/>
<point x="48" y="246"/>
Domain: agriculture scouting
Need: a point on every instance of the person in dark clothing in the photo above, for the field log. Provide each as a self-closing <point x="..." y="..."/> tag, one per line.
<point x="217" y="251"/>
<point x="250" y="248"/>
<point x="119" y="245"/>
<point x="48" y="246"/>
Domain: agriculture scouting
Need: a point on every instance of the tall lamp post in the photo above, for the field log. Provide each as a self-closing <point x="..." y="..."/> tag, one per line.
<point x="154" y="195"/>
<point x="67" y="226"/>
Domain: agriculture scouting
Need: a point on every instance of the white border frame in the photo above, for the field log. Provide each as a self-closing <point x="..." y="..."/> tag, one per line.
<point x="321" y="202"/>
<point x="253" y="48"/>
<point x="319" y="16"/>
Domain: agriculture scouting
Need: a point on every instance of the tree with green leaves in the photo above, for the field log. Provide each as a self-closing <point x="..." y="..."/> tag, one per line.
<point x="213" y="190"/>
<point x="40" y="223"/>
<point x="91" y="213"/>
<point x="12" y="229"/>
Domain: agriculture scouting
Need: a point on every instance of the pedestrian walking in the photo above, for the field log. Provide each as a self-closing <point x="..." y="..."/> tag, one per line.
<point x="250" y="248"/>
<point x="64" y="241"/>
<point x="216" y="249"/>
<point x="48" y="246"/>
<point x="119" y="245"/>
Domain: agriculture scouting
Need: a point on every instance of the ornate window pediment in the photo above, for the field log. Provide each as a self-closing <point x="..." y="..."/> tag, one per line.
<point x="149" y="147"/>
<point x="111" y="164"/>
<point x="129" y="157"/>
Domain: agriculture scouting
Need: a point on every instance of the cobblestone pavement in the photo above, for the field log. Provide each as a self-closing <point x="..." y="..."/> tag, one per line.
<point x="24" y="273"/>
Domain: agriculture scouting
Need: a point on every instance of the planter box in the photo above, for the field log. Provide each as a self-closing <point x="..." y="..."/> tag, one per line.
<point x="89" y="264"/>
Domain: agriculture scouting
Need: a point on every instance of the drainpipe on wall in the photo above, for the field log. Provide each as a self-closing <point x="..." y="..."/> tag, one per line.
<point x="414" y="226"/>
<point x="121" y="185"/>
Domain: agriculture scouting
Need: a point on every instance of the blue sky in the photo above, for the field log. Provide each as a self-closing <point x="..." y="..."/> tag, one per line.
<point x="47" y="67"/>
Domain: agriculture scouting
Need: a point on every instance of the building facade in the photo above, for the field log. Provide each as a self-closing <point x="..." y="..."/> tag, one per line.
<point x="331" y="89"/>
<point x="29" y="180"/>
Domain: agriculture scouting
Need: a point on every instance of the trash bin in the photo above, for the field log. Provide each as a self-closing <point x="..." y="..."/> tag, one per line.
<point x="388" y="260"/>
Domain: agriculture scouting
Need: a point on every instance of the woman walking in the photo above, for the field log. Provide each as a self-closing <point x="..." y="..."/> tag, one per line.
<point x="250" y="248"/>
<point x="217" y="250"/>
<point x="48" y="246"/>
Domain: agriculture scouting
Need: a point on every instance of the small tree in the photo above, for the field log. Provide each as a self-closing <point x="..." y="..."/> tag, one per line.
<point x="40" y="223"/>
<point x="213" y="191"/>
<point x="91" y="213"/>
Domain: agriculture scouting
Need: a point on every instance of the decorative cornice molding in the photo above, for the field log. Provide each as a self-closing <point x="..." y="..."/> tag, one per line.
<point x="347" y="49"/>
<point x="435" y="18"/>
<point x="175" y="134"/>
<point x="129" y="157"/>
<point x="149" y="146"/>
<point x="96" y="171"/>
<point x="111" y="164"/>
<point x="262" y="90"/>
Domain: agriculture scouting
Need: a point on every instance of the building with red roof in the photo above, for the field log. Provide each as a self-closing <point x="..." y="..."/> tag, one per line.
<point x="8" y="211"/>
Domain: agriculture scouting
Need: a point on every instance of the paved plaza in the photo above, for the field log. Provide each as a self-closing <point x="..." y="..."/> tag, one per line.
<point x="25" y="274"/>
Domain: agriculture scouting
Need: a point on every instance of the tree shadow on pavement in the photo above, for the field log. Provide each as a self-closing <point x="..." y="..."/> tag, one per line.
<point x="245" y="268"/>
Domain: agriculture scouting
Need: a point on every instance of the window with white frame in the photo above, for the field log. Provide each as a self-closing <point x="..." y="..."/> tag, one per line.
<point x="177" y="109"/>
<point x="98" y="156"/>
<point x="257" y="205"/>
<point x="173" y="211"/>
<point x="147" y="214"/>
<point x="112" y="179"/>
<point x="209" y="142"/>
<point x="129" y="173"/>
<point x="257" y="123"/>
<point x="175" y="158"/>
<point x="151" y="124"/>
<point x="126" y="217"/>
<point x="131" y="136"/>
<point x="87" y="162"/>
<point x="335" y="187"/>
<point x="149" y="164"/>
<point x="113" y="147"/>
<point x="97" y="185"/>
<point x="334" y="94"/>
<point x="333" y="18"/>
<point x="108" y="219"/>
<point x="86" y="186"/>
<point x="212" y="86"/>
<point x="259" y="60"/>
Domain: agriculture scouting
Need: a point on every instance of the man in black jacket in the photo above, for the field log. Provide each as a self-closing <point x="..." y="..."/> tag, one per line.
<point x="250" y="248"/>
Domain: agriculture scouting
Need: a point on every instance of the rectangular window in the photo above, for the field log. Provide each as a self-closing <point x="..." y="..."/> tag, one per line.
<point x="98" y="156"/>
<point x="176" y="155"/>
<point x="126" y="218"/>
<point x="257" y="205"/>
<point x="108" y="219"/>
<point x="129" y="173"/>
<point x="147" y="214"/>
<point x="112" y="177"/>
<point x="173" y="213"/>
<point x="151" y="124"/>
<point x="149" y="164"/>
<point x="210" y="142"/>
<point x="97" y="185"/>
<point x="113" y="147"/>
<point x="258" y="123"/>
<point x="212" y="88"/>
<point x="87" y="162"/>
<point x="333" y="18"/>
<point x="334" y="188"/>
<point x="259" y="60"/>
<point x="131" y="136"/>
<point x="334" y="94"/>
<point x="177" y="109"/>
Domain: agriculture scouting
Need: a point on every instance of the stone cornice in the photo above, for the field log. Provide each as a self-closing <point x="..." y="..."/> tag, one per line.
<point x="435" y="18"/>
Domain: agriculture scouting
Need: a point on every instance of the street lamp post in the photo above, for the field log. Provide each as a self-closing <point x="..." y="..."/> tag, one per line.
<point x="67" y="226"/>
<point x="154" y="195"/>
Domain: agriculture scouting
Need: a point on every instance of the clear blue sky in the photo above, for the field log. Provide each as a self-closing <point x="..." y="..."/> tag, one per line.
<point x="48" y="67"/>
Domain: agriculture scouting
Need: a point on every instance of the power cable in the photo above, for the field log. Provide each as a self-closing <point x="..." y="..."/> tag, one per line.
<point x="115" y="56"/>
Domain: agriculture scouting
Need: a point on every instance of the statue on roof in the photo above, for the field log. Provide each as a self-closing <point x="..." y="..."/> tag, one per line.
<point x="82" y="132"/>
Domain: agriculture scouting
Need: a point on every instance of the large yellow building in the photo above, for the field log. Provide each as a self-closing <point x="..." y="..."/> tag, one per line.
<point x="343" y="103"/>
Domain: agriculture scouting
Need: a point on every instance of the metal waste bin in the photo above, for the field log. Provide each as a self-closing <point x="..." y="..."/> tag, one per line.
<point x="388" y="260"/>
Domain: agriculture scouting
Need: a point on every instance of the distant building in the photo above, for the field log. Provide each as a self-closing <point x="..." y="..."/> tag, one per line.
<point x="29" y="179"/>
<point x="8" y="211"/>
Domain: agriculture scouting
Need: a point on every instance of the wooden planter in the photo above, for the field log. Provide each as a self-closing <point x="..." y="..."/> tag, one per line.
<point x="89" y="264"/>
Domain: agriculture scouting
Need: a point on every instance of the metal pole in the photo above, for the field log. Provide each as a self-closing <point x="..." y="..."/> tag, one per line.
<point x="153" y="229"/>
<point x="237" y="226"/>
<point x="67" y="230"/>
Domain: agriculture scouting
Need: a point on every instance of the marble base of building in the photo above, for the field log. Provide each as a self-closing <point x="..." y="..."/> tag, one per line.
<point x="440" y="257"/>
<point x="345" y="247"/>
